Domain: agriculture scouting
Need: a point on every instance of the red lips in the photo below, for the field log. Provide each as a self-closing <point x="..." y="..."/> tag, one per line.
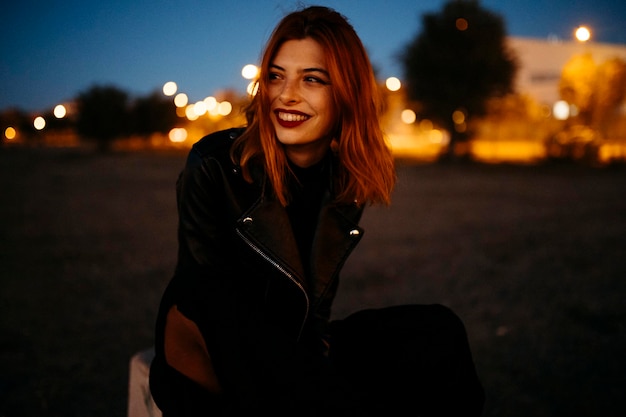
<point x="294" y="118"/>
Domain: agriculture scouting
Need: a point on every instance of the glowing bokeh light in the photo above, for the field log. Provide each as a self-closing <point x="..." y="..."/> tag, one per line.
<point x="215" y="111"/>
<point x="190" y="112"/>
<point x="436" y="136"/>
<point x="180" y="111"/>
<point x="181" y="100"/>
<point x="461" y="24"/>
<point x="582" y="33"/>
<point x="39" y="123"/>
<point x="253" y="88"/>
<point x="199" y="108"/>
<point x="211" y="103"/>
<point x="10" y="133"/>
<point x="408" y="116"/>
<point x="393" y="84"/>
<point x="426" y="124"/>
<point x="561" y="110"/>
<point x="170" y="88"/>
<point x="225" y="108"/>
<point x="178" y="135"/>
<point x="249" y="71"/>
<point x="458" y="117"/>
<point x="60" y="111"/>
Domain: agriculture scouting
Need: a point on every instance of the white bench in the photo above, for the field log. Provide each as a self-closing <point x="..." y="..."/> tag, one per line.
<point x="140" y="402"/>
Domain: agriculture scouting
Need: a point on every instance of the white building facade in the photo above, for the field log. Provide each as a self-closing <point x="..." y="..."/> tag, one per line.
<point x="541" y="62"/>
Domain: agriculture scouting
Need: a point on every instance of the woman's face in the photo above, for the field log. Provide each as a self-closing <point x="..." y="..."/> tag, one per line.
<point x="302" y="110"/>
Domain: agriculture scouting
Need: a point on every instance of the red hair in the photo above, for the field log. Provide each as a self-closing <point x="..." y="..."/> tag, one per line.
<point x="365" y="172"/>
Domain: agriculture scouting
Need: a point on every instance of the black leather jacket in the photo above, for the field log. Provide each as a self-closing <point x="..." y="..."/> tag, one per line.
<point x="240" y="278"/>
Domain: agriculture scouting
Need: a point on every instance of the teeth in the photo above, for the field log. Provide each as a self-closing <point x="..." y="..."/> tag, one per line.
<point x="290" y="117"/>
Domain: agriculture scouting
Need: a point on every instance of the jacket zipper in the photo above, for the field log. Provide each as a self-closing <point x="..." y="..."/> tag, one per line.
<point x="283" y="271"/>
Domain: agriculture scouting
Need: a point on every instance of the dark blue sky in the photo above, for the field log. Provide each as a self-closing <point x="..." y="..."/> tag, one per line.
<point x="51" y="51"/>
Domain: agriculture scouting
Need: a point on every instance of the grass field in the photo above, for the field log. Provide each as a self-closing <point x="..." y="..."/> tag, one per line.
<point x="533" y="259"/>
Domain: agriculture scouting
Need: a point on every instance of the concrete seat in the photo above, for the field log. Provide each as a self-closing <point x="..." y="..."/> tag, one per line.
<point x="140" y="401"/>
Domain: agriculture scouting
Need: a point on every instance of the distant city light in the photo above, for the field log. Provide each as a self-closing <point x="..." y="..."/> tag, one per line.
<point x="199" y="108"/>
<point x="178" y="134"/>
<point x="408" y="116"/>
<point x="461" y="24"/>
<point x="181" y="100"/>
<point x="458" y="117"/>
<point x="211" y="103"/>
<point x="249" y="71"/>
<point x="393" y="84"/>
<point x="582" y="33"/>
<point x="60" y="111"/>
<point x="39" y="123"/>
<point x="10" y="133"/>
<point x="436" y="136"/>
<point x="426" y="124"/>
<point x="561" y="110"/>
<point x="190" y="112"/>
<point x="225" y="108"/>
<point x="252" y="88"/>
<point x="170" y="88"/>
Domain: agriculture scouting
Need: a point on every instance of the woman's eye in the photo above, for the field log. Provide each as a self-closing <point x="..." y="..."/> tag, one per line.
<point x="274" y="76"/>
<point x="315" y="80"/>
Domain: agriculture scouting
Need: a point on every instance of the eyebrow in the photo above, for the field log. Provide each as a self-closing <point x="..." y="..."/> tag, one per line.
<point x="305" y="70"/>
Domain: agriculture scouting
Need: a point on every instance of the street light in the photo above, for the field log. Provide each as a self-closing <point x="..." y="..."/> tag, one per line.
<point x="582" y="33"/>
<point x="170" y="88"/>
<point x="250" y="71"/>
<point x="393" y="84"/>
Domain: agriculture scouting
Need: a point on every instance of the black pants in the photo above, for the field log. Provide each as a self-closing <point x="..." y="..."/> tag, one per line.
<point x="409" y="359"/>
<point x="402" y="360"/>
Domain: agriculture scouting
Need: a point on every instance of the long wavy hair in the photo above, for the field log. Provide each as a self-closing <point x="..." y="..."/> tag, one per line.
<point x="365" y="172"/>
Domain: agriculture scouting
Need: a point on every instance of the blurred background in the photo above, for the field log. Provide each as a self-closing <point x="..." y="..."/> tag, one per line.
<point x="508" y="121"/>
<point x="491" y="80"/>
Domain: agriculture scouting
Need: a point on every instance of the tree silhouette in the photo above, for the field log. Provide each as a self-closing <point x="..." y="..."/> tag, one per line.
<point x="102" y="114"/>
<point x="153" y="113"/>
<point x="455" y="65"/>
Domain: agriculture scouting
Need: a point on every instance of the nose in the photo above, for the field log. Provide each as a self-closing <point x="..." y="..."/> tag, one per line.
<point x="290" y="93"/>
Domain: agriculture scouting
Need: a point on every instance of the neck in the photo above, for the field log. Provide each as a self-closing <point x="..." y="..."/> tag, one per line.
<point x="308" y="154"/>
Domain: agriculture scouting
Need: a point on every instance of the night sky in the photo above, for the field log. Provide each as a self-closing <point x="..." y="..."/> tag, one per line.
<point x="51" y="51"/>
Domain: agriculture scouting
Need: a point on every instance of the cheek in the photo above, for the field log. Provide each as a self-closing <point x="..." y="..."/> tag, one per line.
<point x="330" y="110"/>
<point x="271" y="95"/>
<point x="325" y="104"/>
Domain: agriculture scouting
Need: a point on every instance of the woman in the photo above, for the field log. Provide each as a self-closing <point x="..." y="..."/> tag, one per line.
<point x="268" y="215"/>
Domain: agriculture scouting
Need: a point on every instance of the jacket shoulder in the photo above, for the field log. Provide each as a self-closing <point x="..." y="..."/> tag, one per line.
<point x="216" y="143"/>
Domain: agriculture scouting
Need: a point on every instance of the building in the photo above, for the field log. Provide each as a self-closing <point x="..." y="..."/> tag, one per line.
<point x="541" y="62"/>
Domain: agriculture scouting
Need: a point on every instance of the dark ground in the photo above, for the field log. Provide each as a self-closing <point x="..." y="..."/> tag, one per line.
<point x="533" y="259"/>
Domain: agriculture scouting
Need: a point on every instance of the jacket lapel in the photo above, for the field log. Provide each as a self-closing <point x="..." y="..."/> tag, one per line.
<point x="267" y="228"/>
<point x="337" y="235"/>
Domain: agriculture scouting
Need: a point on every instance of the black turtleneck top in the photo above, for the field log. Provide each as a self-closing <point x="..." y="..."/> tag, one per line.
<point x="307" y="191"/>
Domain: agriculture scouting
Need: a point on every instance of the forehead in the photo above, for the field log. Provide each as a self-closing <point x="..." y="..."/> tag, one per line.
<point x="300" y="52"/>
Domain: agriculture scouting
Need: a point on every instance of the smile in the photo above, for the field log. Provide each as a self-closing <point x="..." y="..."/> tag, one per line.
<point x="289" y="119"/>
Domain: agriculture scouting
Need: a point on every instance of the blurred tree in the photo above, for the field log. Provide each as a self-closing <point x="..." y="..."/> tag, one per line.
<point x="610" y="91"/>
<point x="578" y="79"/>
<point x="58" y="124"/>
<point x="152" y="114"/>
<point x="455" y="65"/>
<point x="597" y="91"/>
<point x="102" y="114"/>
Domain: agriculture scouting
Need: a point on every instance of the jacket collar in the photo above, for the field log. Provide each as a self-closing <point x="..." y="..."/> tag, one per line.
<point x="266" y="227"/>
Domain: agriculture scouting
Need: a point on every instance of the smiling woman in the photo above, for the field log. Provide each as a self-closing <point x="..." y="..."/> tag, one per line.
<point x="268" y="215"/>
<point x="300" y="94"/>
